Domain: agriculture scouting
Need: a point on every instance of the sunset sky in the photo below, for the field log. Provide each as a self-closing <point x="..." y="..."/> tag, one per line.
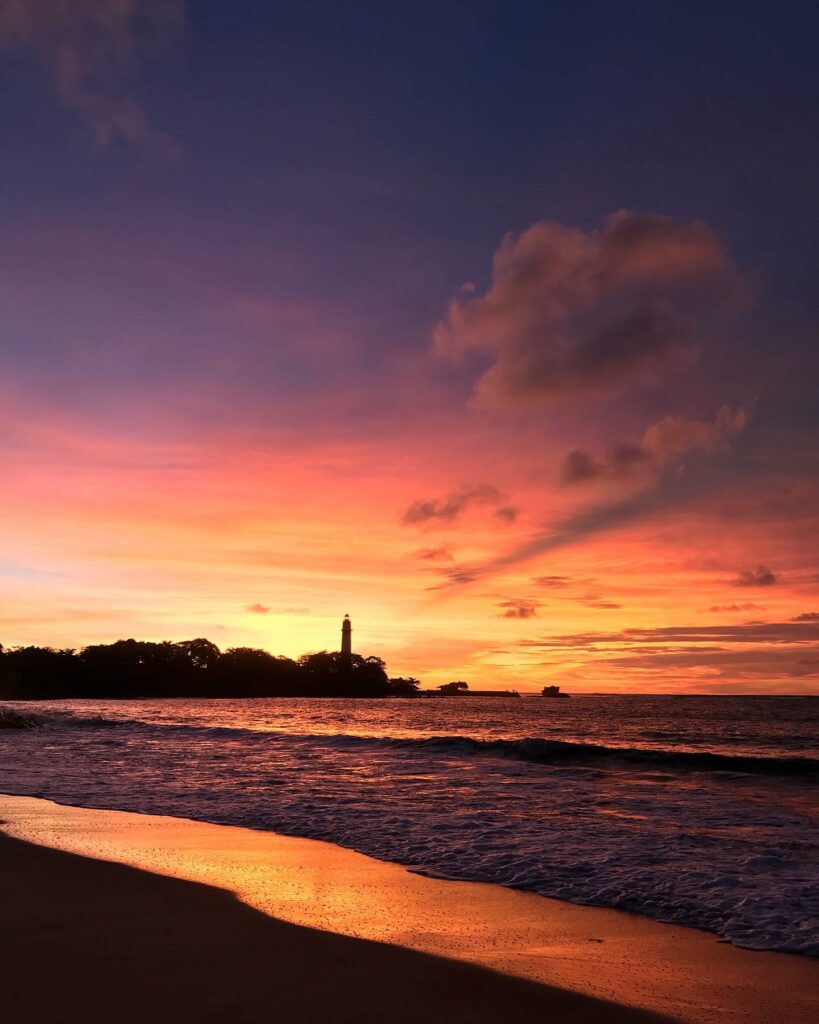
<point x="491" y="324"/>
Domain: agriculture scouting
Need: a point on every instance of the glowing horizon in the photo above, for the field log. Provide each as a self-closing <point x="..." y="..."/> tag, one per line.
<point x="260" y="370"/>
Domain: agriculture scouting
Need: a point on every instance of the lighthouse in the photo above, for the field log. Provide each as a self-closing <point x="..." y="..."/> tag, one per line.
<point x="346" y="637"/>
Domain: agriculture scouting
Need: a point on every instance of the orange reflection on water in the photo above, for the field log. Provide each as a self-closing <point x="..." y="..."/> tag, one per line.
<point x="605" y="953"/>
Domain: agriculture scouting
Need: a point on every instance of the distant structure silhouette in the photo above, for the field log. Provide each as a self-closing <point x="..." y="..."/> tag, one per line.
<point x="346" y="637"/>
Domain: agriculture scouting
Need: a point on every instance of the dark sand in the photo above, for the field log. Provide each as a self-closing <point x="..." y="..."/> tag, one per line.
<point x="84" y="940"/>
<point x="260" y="921"/>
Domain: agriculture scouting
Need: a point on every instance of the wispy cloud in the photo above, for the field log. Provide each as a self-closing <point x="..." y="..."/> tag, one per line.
<point x="753" y="651"/>
<point x="594" y="601"/>
<point x="747" y="606"/>
<point x="797" y="632"/>
<point x="665" y="489"/>
<point x="552" y="581"/>
<point x="439" y="554"/>
<point x="93" y="49"/>
<point x="450" y="507"/>
<point x="579" y="526"/>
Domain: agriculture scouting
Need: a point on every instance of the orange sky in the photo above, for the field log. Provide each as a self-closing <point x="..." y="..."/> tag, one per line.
<point x="265" y="542"/>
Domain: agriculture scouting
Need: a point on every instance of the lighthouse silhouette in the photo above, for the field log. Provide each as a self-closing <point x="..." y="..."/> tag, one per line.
<point x="346" y="637"/>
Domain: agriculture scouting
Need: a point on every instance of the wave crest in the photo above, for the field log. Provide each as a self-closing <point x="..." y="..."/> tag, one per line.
<point x="538" y="750"/>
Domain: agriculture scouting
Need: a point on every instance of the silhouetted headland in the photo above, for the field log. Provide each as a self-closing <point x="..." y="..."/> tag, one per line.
<point x="134" y="669"/>
<point x="130" y="669"/>
<point x="192" y="668"/>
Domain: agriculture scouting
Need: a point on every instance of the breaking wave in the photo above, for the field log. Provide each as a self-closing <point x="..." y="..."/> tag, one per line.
<point x="537" y="750"/>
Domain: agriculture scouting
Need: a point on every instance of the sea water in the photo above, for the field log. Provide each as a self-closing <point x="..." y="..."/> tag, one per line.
<point x="696" y="810"/>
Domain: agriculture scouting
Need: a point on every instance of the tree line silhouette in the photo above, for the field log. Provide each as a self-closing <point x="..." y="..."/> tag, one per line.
<point x="130" y="669"/>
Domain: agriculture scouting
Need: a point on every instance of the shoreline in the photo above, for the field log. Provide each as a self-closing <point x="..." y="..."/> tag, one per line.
<point x="585" y="951"/>
<point x="88" y="940"/>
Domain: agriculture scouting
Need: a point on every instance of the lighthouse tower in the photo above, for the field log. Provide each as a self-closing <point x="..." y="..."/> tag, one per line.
<point x="346" y="637"/>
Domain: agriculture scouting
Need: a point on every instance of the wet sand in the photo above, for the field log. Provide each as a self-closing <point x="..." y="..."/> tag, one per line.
<point x="321" y="901"/>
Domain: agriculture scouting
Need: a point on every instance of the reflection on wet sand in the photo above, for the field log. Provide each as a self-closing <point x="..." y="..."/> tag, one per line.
<point x="609" y="954"/>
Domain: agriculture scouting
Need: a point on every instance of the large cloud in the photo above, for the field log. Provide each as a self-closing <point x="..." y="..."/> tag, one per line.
<point x="570" y="311"/>
<point x="92" y="47"/>
<point x="662" y="442"/>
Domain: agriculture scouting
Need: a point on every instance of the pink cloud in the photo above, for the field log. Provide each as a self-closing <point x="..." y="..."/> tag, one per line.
<point x="662" y="442"/>
<point x="569" y="311"/>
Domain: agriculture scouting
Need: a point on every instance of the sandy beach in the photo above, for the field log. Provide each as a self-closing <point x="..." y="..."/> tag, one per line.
<point x="318" y="932"/>
<point x="83" y="940"/>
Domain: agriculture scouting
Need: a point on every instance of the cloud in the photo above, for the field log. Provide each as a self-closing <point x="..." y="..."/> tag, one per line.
<point x="748" y="606"/>
<point x="658" y="493"/>
<point x="92" y="48"/>
<point x="593" y="601"/>
<point x="457" y="576"/>
<point x="265" y="609"/>
<point x="585" y="523"/>
<point x="745" y="633"/>
<point x="449" y="508"/>
<point x="672" y="436"/>
<point x="753" y="650"/>
<point x="440" y="554"/>
<point x="759" y="577"/>
<point x="574" y="528"/>
<point x="552" y="581"/>
<point x="516" y="609"/>
<point x="807" y="617"/>
<point x="507" y="513"/>
<point x="766" y="664"/>
<point x="662" y="442"/>
<point x="590" y="600"/>
<point x="569" y="311"/>
<point x="623" y="460"/>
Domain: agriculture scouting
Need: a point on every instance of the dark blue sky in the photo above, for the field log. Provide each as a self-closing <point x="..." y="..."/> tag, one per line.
<point x="444" y="125"/>
<point x="365" y="159"/>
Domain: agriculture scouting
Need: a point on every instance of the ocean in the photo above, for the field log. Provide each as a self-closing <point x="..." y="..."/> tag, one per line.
<point x="701" y="811"/>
